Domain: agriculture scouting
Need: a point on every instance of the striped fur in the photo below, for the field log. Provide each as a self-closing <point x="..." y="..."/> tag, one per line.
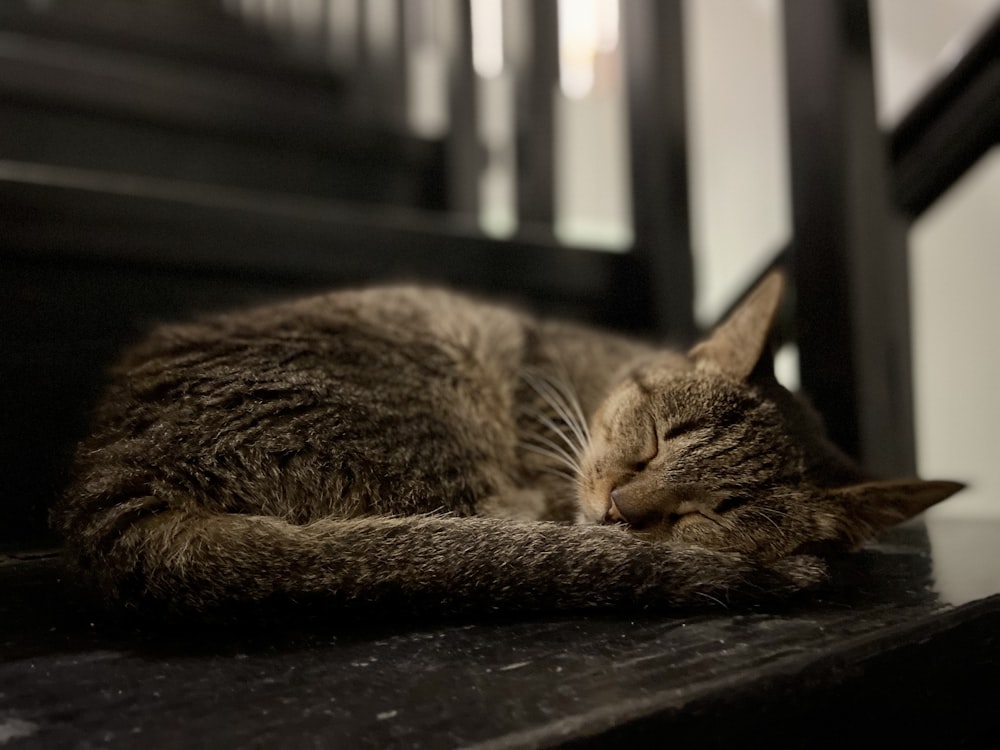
<point x="405" y="446"/>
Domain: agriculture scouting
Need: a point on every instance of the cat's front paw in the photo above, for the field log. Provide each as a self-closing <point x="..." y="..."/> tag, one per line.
<point x="799" y="572"/>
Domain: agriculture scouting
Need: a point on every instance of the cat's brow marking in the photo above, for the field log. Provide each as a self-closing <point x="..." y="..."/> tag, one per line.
<point x="636" y="377"/>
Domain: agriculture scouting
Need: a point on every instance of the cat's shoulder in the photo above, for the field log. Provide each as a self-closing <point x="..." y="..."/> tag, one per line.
<point x="405" y="313"/>
<point x="380" y="302"/>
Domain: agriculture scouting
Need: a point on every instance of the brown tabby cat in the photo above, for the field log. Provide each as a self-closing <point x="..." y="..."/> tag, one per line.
<point x="405" y="446"/>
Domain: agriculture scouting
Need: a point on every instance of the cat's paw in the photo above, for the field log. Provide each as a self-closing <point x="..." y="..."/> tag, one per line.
<point x="799" y="572"/>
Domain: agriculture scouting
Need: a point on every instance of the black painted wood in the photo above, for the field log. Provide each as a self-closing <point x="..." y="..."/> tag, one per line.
<point x="849" y="243"/>
<point x="881" y="656"/>
<point x="537" y="84"/>
<point x="380" y="73"/>
<point x="198" y="32"/>
<point x="74" y="72"/>
<point x="176" y="225"/>
<point x="654" y="67"/>
<point x="465" y="156"/>
<point x="105" y="95"/>
<point x="953" y="124"/>
<point x="356" y="165"/>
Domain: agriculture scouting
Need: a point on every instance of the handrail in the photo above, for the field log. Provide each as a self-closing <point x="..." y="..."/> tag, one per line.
<point x="952" y="125"/>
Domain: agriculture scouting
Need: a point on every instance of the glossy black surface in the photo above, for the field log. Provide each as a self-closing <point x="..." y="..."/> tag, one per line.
<point x="885" y="640"/>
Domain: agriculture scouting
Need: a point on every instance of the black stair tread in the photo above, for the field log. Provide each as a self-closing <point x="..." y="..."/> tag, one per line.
<point x="872" y="659"/>
<point x="197" y="32"/>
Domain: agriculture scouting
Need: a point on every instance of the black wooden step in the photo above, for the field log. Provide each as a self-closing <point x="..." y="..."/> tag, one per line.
<point x="885" y="658"/>
<point x="169" y="91"/>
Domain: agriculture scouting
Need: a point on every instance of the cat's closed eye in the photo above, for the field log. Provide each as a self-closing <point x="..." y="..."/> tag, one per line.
<point x="683" y="520"/>
<point x="683" y="428"/>
<point x="731" y="502"/>
<point x="650" y="450"/>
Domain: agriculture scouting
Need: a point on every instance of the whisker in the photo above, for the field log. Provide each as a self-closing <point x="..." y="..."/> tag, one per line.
<point x="551" y="450"/>
<point x="718" y="518"/>
<point x="545" y="388"/>
<point x="570" y="411"/>
<point x="772" y="522"/>
<point x="574" y="444"/>
<point x="772" y="511"/>
<point x="546" y="422"/>
<point x="561" y="473"/>
<point x="776" y="512"/>
<point x="576" y="450"/>
<point x="761" y="512"/>
<point x="571" y="398"/>
<point x="552" y="426"/>
<point x="713" y="598"/>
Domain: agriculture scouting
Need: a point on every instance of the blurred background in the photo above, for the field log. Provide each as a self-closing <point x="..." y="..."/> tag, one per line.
<point x="622" y="161"/>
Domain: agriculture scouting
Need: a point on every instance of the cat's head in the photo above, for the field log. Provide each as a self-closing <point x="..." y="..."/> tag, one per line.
<point x="710" y="449"/>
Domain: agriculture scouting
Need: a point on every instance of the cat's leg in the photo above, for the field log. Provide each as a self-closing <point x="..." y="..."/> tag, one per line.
<point x="195" y="561"/>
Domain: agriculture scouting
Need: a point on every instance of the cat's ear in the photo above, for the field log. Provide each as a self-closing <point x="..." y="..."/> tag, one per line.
<point x="866" y="509"/>
<point x="738" y="343"/>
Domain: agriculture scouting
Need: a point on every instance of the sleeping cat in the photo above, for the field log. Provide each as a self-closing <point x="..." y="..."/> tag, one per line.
<point x="412" y="447"/>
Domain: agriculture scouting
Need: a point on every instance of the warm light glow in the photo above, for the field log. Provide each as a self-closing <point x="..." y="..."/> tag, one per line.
<point x="586" y="28"/>
<point x="487" y="37"/>
<point x="305" y="15"/>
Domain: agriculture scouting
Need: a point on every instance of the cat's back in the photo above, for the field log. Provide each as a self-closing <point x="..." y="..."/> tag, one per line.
<point x="364" y="335"/>
<point x="406" y="315"/>
<point x="387" y="399"/>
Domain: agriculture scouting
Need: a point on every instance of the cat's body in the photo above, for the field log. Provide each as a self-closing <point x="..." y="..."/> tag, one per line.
<point x="412" y="446"/>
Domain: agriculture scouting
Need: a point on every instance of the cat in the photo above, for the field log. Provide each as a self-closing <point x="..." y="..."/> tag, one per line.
<point x="415" y="448"/>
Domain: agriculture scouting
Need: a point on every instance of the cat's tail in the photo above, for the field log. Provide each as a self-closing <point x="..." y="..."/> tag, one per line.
<point x="193" y="561"/>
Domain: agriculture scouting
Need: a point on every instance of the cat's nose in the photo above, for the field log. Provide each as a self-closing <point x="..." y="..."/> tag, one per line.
<point x="613" y="515"/>
<point x="632" y="508"/>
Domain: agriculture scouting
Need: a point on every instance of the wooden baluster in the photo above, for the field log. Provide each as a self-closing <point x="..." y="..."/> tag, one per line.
<point x="849" y="247"/>
<point x="654" y="69"/>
